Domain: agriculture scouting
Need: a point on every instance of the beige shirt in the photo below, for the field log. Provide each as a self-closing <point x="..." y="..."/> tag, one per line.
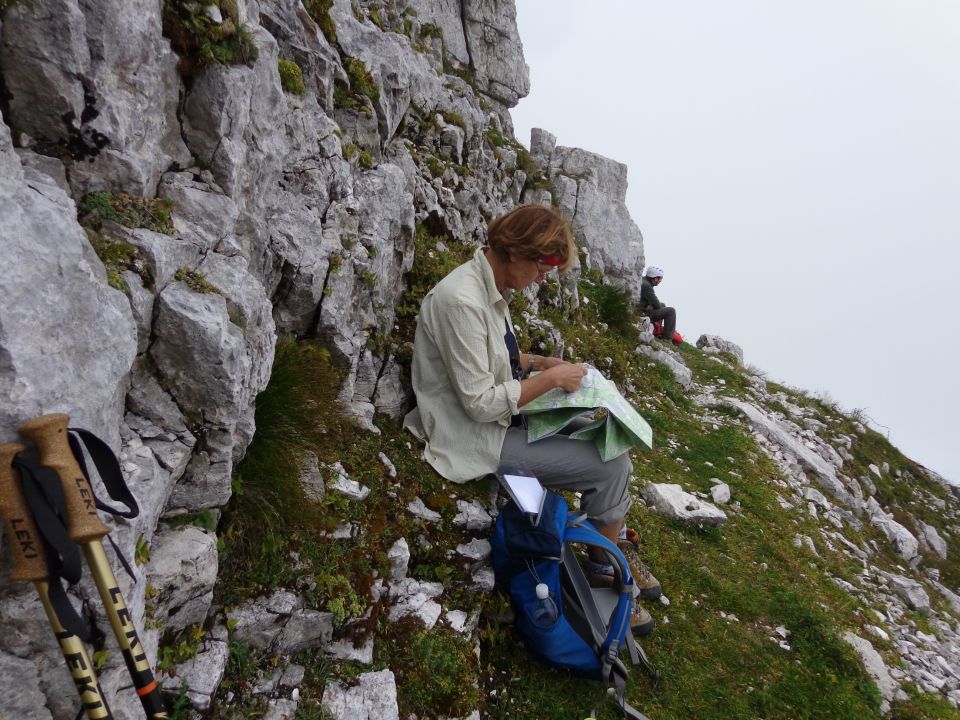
<point x="466" y="394"/>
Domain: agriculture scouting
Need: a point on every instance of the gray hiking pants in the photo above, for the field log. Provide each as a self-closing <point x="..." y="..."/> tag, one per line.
<point x="561" y="463"/>
<point x="669" y="317"/>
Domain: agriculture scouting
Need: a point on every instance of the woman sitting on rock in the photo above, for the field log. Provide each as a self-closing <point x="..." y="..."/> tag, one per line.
<point x="471" y="380"/>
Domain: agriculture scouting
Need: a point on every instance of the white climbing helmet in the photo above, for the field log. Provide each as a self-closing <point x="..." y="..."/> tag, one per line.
<point x="653" y="271"/>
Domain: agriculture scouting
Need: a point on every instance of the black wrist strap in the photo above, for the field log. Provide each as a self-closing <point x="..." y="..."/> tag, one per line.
<point x="44" y="496"/>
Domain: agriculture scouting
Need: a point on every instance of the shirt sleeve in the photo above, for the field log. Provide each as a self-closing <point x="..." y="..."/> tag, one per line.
<point x="462" y="341"/>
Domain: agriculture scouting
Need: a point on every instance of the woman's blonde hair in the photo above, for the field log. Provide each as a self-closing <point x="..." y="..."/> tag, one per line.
<point x="533" y="231"/>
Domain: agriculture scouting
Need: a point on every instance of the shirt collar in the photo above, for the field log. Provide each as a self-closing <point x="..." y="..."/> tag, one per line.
<point x="486" y="273"/>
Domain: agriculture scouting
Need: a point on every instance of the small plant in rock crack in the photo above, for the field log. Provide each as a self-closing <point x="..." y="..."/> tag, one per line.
<point x="196" y="281"/>
<point x="116" y="257"/>
<point x="127" y="210"/>
<point x="207" y="34"/>
<point x="291" y="77"/>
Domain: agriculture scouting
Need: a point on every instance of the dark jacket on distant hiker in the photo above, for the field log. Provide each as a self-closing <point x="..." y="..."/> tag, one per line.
<point x="651" y="306"/>
<point x="648" y="296"/>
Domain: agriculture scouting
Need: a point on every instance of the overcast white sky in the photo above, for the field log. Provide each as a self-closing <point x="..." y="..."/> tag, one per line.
<point x="795" y="169"/>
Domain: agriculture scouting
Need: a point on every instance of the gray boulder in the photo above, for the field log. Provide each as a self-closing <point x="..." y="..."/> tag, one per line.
<point x="672" y="501"/>
<point x="911" y="592"/>
<point x="932" y="539"/>
<point x="281" y="624"/>
<point x="182" y="570"/>
<point x="202" y="674"/>
<point x="716" y="344"/>
<point x="194" y="330"/>
<point x="904" y="542"/>
<point x="681" y="373"/>
<point x="496" y="52"/>
<point x="374" y="697"/>
<point x="229" y="122"/>
<point x="875" y="667"/>
<point x="448" y="16"/>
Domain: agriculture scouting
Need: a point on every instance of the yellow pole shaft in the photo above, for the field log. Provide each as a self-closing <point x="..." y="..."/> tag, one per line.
<point x="134" y="654"/>
<point x="75" y="653"/>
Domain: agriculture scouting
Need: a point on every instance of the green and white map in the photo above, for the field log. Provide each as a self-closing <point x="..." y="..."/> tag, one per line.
<point x="615" y="425"/>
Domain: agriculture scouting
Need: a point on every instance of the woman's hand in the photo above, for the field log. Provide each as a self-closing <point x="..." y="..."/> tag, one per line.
<point x="560" y="374"/>
<point x="545" y="363"/>
<point x="566" y="375"/>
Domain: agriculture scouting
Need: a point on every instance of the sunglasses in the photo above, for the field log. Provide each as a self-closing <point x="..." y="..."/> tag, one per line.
<point x="547" y="264"/>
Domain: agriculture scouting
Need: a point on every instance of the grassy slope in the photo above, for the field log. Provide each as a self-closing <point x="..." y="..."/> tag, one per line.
<point x="729" y="588"/>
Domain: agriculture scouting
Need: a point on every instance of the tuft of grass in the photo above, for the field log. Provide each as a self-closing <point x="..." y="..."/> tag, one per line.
<point x="201" y="41"/>
<point x="429" y="267"/>
<point x="431" y="30"/>
<point x="495" y="138"/>
<point x="116" y="257"/>
<point x="292" y="415"/>
<point x="128" y="210"/>
<point x="922" y="706"/>
<point x="319" y="10"/>
<point x="536" y="180"/>
<point x="436" y="670"/>
<point x="196" y="281"/>
<point x="291" y="77"/>
<point x="182" y="649"/>
<point x="361" y="81"/>
<point x="178" y="706"/>
<point x="202" y="519"/>
<point x="435" y="165"/>
<point x="454" y="118"/>
<point x="141" y="551"/>
<point x="615" y="307"/>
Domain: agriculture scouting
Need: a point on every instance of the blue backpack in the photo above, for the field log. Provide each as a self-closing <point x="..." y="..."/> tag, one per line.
<point x="593" y="624"/>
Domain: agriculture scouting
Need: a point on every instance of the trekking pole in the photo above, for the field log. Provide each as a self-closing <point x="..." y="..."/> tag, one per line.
<point x="49" y="434"/>
<point x="29" y="564"/>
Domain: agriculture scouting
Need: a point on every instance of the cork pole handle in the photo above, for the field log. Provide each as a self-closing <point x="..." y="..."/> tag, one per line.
<point x="29" y="562"/>
<point x="49" y="434"/>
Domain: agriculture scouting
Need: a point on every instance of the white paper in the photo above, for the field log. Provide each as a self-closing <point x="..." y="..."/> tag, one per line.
<point x="527" y="492"/>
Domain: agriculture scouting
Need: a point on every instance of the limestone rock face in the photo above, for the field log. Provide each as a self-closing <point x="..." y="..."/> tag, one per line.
<point x="495" y="49"/>
<point x="20" y="695"/>
<point x="100" y="80"/>
<point x="774" y="430"/>
<point x="67" y="339"/>
<point x="591" y="191"/>
<point x="301" y="215"/>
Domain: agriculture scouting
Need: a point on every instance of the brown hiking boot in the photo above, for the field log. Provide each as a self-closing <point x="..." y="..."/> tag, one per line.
<point x="648" y="587"/>
<point x="641" y="622"/>
<point x="600" y="575"/>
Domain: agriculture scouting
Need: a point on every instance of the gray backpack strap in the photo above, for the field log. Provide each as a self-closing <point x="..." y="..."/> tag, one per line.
<point x="639" y="657"/>
<point x="617" y="693"/>
<point x="598" y="627"/>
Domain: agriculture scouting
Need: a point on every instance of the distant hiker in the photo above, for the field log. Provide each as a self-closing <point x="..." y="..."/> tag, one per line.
<point x="471" y="379"/>
<point x="651" y="306"/>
